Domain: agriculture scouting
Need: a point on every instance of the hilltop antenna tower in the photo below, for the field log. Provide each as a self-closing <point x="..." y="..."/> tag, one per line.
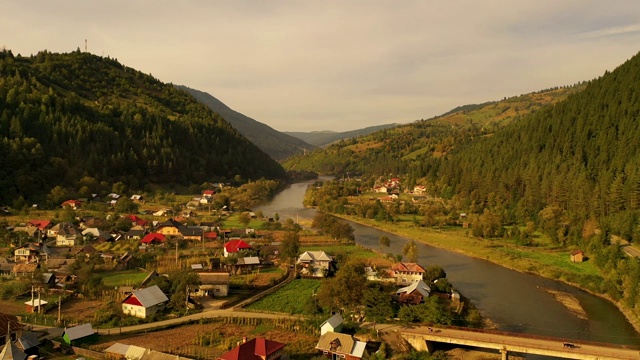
<point x="85" y="45"/>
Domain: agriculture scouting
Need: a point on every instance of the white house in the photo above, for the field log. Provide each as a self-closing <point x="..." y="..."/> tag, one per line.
<point x="144" y="302"/>
<point x="332" y="324"/>
<point x="315" y="263"/>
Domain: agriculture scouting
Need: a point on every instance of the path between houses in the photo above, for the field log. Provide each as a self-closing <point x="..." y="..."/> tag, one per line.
<point x="208" y="314"/>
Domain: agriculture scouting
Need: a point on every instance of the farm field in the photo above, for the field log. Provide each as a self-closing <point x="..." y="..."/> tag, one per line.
<point x="123" y="278"/>
<point x="290" y="299"/>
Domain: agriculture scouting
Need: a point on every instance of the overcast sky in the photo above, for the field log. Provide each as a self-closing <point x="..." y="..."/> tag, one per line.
<point x="340" y="65"/>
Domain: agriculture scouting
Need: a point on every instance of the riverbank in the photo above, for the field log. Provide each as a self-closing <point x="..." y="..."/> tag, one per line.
<point x="542" y="262"/>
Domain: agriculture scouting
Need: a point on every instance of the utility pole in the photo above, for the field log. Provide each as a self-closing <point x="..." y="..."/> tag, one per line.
<point x="176" y="254"/>
<point x="39" y="303"/>
<point x="59" y="308"/>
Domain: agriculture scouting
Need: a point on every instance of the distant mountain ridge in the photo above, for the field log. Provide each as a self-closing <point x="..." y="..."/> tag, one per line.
<point x="277" y="144"/>
<point x="323" y="138"/>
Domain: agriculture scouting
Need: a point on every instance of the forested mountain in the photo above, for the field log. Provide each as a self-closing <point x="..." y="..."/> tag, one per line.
<point x="73" y="119"/>
<point x="404" y="148"/>
<point x="570" y="163"/>
<point x="323" y="138"/>
<point x="277" y="144"/>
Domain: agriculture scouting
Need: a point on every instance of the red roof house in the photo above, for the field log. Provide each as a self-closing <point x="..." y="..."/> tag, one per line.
<point x="256" y="349"/>
<point x="153" y="238"/>
<point x="406" y="273"/>
<point x="136" y="220"/>
<point x="74" y="204"/>
<point x="40" y="224"/>
<point x="233" y="246"/>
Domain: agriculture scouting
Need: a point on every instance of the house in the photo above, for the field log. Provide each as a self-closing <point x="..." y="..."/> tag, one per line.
<point x="24" y="270"/>
<point x="66" y="234"/>
<point x="419" y="190"/>
<point x="577" y="256"/>
<point x="381" y="189"/>
<point x="413" y="294"/>
<point x="74" y="204"/>
<point x="10" y="323"/>
<point x="145" y="302"/>
<point x="163" y="212"/>
<point x="315" y="263"/>
<point x="138" y="199"/>
<point x="6" y="266"/>
<point x="123" y="351"/>
<point x="212" y="284"/>
<point x="234" y="246"/>
<point x="87" y="250"/>
<point x="96" y="233"/>
<point x="172" y="227"/>
<point x="341" y="346"/>
<point x="79" y="334"/>
<point x="153" y="238"/>
<point x="29" y="343"/>
<point x="135" y="233"/>
<point x="31" y="253"/>
<point x="332" y="324"/>
<point x="49" y="279"/>
<point x="136" y="221"/>
<point x="247" y="263"/>
<point x="208" y="194"/>
<point x="407" y="273"/>
<point x="255" y="349"/>
<point x="119" y="351"/>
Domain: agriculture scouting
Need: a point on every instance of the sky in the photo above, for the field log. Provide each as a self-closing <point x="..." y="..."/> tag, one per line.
<point x="301" y="65"/>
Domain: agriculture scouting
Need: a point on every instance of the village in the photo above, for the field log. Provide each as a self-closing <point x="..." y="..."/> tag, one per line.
<point x="86" y="281"/>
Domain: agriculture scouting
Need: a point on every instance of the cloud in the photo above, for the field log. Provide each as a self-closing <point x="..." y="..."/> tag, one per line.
<point x="306" y="65"/>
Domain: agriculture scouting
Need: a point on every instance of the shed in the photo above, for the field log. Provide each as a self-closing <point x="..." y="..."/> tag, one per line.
<point x="332" y="324"/>
<point x="577" y="256"/>
<point x="79" y="334"/>
<point x="34" y="305"/>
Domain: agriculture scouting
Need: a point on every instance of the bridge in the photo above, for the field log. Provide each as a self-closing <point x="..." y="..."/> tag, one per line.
<point x="423" y="337"/>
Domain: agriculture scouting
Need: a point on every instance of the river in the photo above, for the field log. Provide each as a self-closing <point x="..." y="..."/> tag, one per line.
<point x="515" y="301"/>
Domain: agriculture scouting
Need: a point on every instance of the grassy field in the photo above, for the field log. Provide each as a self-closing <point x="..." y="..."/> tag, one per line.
<point x="547" y="261"/>
<point x="290" y="299"/>
<point x="123" y="278"/>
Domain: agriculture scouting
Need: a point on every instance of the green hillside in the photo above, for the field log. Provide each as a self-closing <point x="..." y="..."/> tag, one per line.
<point x="401" y="149"/>
<point x="277" y="144"/>
<point x="68" y="117"/>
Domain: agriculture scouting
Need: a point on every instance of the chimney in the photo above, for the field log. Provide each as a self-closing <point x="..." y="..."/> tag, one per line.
<point x="244" y="339"/>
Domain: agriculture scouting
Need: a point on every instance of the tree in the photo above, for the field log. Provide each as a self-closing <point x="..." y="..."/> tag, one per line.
<point x="126" y="205"/>
<point x="434" y="272"/>
<point x="378" y="303"/>
<point x="385" y="241"/>
<point x="410" y="251"/>
<point x="244" y="218"/>
<point x="290" y="246"/>
<point x="276" y="217"/>
<point x="345" y="290"/>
